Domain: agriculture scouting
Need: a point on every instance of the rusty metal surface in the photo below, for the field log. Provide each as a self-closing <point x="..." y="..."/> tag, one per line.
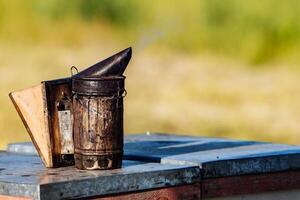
<point x="98" y="113"/>
<point x="23" y="175"/>
<point x="103" y="86"/>
<point x="112" y="66"/>
<point x="66" y="131"/>
<point x="98" y="124"/>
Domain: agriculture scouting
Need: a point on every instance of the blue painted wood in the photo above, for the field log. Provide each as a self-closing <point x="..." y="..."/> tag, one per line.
<point x="154" y="147"/>
<point x="25" y="175"/>
<point x="216" y="157"/>
<point x="262" y="158"/>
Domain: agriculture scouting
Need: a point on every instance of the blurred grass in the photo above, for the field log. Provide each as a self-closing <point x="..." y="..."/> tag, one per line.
<point x="255" y="31"/>
<point x="221" y="68"/>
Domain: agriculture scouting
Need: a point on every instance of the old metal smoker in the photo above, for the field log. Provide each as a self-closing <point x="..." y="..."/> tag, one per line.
<point x="98" y="113"/>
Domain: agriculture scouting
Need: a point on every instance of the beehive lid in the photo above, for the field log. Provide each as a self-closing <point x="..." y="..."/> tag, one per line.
<point x="217" y="157"/>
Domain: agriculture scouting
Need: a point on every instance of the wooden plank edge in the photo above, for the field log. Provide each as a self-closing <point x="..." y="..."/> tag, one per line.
<point x="186" y="192"/>
<point x="4" y="197"/>
<point x="46" y="117"/>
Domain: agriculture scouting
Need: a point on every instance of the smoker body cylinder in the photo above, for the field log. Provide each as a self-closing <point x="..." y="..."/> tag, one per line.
<point x="98" y="122"/>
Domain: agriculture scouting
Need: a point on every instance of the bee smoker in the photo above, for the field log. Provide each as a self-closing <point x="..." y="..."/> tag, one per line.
<point x="98" y="113"/>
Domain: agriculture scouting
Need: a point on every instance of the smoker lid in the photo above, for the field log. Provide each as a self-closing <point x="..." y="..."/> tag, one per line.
<point x="109" y="85"/>
<point x="94" y="78"/>
<point x="112" y="66"/>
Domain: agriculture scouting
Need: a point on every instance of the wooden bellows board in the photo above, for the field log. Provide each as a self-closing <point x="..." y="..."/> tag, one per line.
<point x="46" y="112"/>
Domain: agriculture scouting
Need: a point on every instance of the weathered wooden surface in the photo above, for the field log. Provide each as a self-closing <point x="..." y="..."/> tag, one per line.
<point x="213" y="162"/>
<point x="31" y="105"/>
<point x="38" y="109"/>
<point x="58" y="98"/>
<point x="183" y="192"/>
<point x="155" y="147"/>
<point x="250" y="184"/>
<point x="217" y="157"/>
<point x="22" y="175"/>
<point x="262" y="158"/>
<point x="5" y="197"/>
<point x="277" y="195"/>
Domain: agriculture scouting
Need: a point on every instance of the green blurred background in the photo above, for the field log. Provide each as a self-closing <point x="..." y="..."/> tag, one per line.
<point x="225" y="68"/>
